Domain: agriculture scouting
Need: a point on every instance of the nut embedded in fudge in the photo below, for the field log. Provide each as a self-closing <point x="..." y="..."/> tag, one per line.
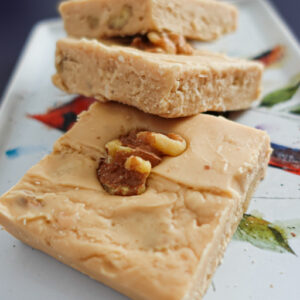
<point x="129" y="160"/>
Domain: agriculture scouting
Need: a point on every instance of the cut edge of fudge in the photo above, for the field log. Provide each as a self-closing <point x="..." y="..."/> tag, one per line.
<point x="198" y="291"/>
<point x="22" y="206"/>
<point x="166" y="85"/>
<point x="200" y="20"/>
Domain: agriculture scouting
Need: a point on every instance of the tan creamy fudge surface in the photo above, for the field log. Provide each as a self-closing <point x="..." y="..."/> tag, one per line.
<point x="164" y="244"/>
<point x="196" y="19"/>
<point x="161" y="84"/>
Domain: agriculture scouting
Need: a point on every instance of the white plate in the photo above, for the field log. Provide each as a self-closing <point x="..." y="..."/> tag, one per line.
<point x="247" y="272"/>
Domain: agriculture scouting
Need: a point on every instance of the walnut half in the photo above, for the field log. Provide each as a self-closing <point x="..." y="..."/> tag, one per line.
<point x="131" y="158"/>
<point x="162" y="42"/>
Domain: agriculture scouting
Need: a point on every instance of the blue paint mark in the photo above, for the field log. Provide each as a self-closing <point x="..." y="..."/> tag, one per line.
<point x="280" y="147"/>
<point x="13" y="153"/>
<point x="26" y="150"/>
<point x="287" y="159"/>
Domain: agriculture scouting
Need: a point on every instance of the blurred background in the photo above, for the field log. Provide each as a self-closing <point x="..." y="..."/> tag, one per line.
<point x="17" y="19"/>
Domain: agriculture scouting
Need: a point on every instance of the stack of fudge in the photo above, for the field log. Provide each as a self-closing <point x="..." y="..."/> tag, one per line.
<point x="145" y="197"/>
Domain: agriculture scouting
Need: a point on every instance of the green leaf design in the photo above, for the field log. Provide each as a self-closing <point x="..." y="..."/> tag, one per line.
<point x="281" y="95"/>
<point x="296" y="110"/>
<point x="263" y="234"/>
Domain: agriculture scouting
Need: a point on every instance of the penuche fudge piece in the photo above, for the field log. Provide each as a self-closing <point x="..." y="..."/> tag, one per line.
<point x="194" y="19"/>
<point x="164" y="243"/>
<point x="165" y="85"/>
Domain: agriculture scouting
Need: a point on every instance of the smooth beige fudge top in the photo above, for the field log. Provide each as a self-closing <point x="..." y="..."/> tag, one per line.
<point x="164" y="244"/>
<point x="166" y="85"/>
<point x="195" y="19"/>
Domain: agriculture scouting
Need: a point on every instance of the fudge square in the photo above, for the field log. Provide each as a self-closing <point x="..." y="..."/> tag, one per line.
<point x="163" y="244"/>
<point x="195" y="19"/>
<point x="161" y="84"/>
